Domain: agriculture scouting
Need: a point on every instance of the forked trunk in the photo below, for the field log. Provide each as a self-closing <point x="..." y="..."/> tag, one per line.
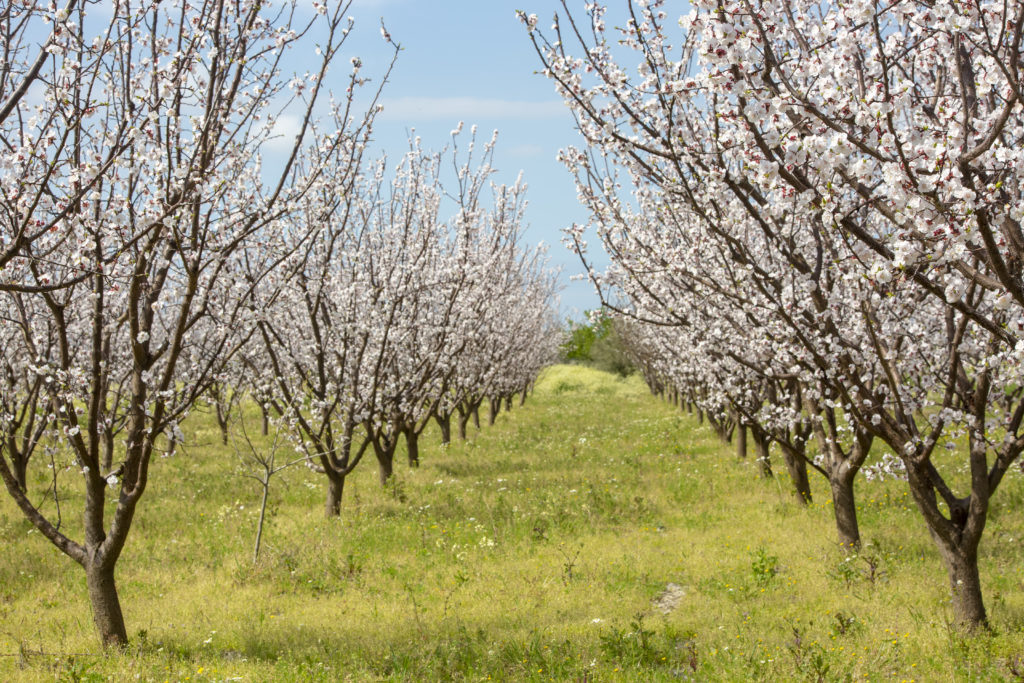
<point x="384" y="449"/>
<point x="957" y="539"/>
<point x="495" y="408"/>
<point x="106" y="607"/>
<point x="223" y="424"/>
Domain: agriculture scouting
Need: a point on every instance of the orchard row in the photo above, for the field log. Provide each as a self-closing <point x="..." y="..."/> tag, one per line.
<point x="161" y="246"/>
<point x="813" y="213"/>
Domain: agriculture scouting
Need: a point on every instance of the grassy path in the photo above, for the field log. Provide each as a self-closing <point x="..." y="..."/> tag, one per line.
<point x="595" y="534"/>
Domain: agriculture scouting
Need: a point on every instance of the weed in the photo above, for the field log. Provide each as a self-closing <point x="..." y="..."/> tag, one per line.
<point x="79" y="670"/>
<point x="1015" y="666"/>
<point x="566" y="386"/>
<point x="569" y="563"/>
<point x="764" y="567"/>
<point x="633" y="647"/>
<point x="844" y="624"/>
<point x="810" y="659"/>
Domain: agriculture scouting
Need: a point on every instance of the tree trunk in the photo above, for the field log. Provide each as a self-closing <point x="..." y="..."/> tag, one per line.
<point x="222" y="408"/>
<point x="762" y="446"/>
<point x="476" y="414"/>
<point x="797" y="468"/>
<point x="957" y="539"/>
<point x="965" y="584"/>
<point x="335" y="488"/>
<point x="508" y="402"/>
<point x="495" y="407"/>
<point x="412" y="442"/>
<point x="444" y="421"/>
<point x="265" y="482"/>
<point x="108" y="451"/>
<point x="386" y="466"/>
<point x="463" y="422"/>
<point x="741" y="441"/>
<point x="844" y="506"/>
<point x="223" y="431"/>
<point x="266" y="420"/>
<point x="106" y="607"/>
<point x="20" y="472"/>
<point x="522" y="397"/>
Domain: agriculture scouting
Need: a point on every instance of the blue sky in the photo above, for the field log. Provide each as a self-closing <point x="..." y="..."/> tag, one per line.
<point x="472" y="61"/>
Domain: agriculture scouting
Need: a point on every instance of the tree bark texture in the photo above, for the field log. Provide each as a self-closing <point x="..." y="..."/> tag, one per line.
<point x="335" y="489"/>
<point x="797" y="468"/>
<point x="412" y="443"/>
<point x="444" y="422"/>
<point x="845" y="507"/>
<point x="106" y="607"/>
<point x="762" y="447"/>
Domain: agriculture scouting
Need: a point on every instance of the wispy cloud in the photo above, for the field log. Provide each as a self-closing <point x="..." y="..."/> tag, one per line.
<point x="467" y="108"/>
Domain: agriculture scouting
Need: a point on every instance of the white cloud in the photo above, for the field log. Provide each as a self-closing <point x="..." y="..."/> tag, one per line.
<point x="282" y="139"/>
<point x="468" y="108"/>
<point x="527" y="151"/>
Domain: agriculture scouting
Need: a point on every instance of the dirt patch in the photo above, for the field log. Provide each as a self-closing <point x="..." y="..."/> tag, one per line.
<point x="669" y="598"/>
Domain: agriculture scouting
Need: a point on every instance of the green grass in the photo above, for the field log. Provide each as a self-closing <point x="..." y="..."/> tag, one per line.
<point x="594" y="534"/>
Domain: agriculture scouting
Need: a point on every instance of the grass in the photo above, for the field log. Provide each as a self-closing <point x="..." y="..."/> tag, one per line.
<point x="594" y="534"/>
